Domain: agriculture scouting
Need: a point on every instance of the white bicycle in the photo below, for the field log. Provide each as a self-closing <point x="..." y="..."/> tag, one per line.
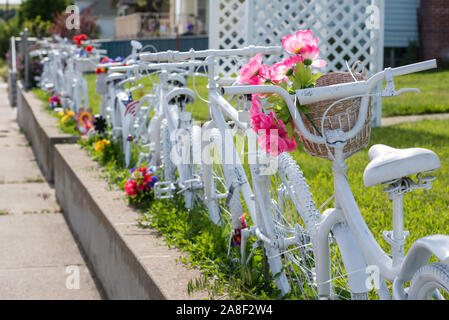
<point x="327" y="256"/>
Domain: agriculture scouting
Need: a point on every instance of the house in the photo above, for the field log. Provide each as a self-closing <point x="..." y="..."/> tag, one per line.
<point x="401" y="30"/>
<point x="189" y="15"/>
<point x="416" y="29"/>
<point x="105" y="11"/>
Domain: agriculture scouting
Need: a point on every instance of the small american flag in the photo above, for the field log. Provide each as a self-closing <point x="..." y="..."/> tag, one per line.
<point x="131" y="106"/>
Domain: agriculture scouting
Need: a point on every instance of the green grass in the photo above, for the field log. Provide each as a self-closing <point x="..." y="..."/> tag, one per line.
<point x="426" y="212"/>
<point x="199" y="108"/>
<point x="434" y="96"/>
<point x="375" y="207"/>
<point x="4" y="69"/>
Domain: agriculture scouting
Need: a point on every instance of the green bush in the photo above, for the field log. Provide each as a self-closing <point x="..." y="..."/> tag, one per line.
<point x="7" y="30"/>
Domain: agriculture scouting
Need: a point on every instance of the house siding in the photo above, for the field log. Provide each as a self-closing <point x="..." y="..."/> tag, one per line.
<point x="401" y="22"/>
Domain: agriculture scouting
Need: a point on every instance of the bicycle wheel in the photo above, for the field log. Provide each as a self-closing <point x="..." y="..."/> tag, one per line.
<point x="195" y="196"/>
<point x="169" y="168"/>
<point x="221" y="188"/>
<point x="430" y="282"/>
<point x="294" y="215"/>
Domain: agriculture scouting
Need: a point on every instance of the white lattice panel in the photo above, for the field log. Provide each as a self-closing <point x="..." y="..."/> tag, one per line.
<point x="348" y="30"/>
<point x="228" y="29"/>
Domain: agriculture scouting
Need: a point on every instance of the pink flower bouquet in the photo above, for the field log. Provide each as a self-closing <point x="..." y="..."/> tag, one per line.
<point x="293" y="73"/>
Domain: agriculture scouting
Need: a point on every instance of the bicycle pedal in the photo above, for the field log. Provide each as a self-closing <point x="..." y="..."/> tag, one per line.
<point x="194" y="184"/>
<point x="164" y="189"/>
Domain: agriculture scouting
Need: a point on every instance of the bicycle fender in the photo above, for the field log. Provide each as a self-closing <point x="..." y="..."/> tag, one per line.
<point x="186" y="92"/>
<point x="179" y="78"/>
<point x="353" y="258"/>
<point x="420" y="253"/>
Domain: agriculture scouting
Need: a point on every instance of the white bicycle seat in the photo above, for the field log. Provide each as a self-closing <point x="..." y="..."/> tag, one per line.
<point x="388" y="163"/>
<point x="115" y="76"/>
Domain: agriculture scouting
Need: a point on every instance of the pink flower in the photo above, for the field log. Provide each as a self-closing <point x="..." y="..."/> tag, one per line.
<point x="310" y="53"/>
<point x="293" y="43"/>
<point x="293" y="60"/>
<point x="250" y="69"/>
<point x="256" y="106"/>
<point x="279" y="72"/>
<point x="275" y="142"/>
<point x="274" y="138"/>
<point x="319" y="63"/>
<point x="261" y="121"/>
<point x="254" y="72"/>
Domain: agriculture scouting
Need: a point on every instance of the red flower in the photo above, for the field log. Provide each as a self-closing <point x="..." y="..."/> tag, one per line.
<point x="78" y="39"/>
<point x="89" y="48"/>
<point x="130" y="188"/>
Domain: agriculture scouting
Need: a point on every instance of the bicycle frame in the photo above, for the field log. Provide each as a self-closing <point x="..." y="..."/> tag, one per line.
<point x="357" y="244"/>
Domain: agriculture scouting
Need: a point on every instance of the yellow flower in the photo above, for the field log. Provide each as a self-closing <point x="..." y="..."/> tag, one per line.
<point x="60" y="113"/>
<point x="68" y="114"/>
<point x="101" y="144"/>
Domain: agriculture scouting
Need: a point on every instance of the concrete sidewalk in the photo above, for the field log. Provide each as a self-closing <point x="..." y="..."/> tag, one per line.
<point x="39" y="258"/>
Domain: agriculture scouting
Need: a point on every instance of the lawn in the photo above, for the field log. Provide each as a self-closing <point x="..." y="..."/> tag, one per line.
<point x="375" y="207"/>
<point x="199" y="108"/>
<point x="434" y="96"/>
<point x="426" y="212"/>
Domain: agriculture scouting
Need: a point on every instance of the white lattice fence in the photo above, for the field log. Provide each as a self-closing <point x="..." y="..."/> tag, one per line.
<point x="228" y="29"/>
<point x="348" y="30"/>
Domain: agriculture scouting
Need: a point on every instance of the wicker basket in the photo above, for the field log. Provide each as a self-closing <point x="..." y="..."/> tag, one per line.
<point x="343" y="115"/>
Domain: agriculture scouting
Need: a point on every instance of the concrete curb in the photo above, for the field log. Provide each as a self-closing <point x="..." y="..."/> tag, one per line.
<point x="40" y="129"/>
<point x="130" y="262"/>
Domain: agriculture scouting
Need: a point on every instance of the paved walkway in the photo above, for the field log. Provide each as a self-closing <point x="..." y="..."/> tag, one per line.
<point x="395" y="120"/>
<point x="39" y="258"/>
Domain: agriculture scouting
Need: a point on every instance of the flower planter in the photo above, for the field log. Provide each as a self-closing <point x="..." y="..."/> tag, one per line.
<point x="129" y="262"/>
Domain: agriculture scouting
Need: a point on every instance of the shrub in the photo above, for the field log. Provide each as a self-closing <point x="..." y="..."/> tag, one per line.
<point x="88" y="25"/>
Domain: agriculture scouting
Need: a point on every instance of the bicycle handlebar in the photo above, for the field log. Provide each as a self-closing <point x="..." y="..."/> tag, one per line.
<point x="333" y="92"/>
<point x="158" y="66"/>
<point x="338" y="91"/>
<point x="192" y="54"/>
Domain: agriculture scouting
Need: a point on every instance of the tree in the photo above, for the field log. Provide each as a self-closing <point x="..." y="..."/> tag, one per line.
<point x="30" y="9"/>
<point x="88" y="25"/>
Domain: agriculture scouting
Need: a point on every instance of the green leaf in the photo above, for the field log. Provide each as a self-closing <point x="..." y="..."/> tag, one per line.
<point x="303" y="76"/>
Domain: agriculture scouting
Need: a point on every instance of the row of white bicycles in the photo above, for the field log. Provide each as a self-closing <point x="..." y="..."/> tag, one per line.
<point x="264" y="202"/>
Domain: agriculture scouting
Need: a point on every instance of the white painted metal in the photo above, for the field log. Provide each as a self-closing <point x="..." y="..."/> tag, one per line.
<point x="357" y="245"/>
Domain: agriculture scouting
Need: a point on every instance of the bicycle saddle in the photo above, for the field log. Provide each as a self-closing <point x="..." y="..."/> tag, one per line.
<point x="115" y="76"/>
<point x="388" y="163"/>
